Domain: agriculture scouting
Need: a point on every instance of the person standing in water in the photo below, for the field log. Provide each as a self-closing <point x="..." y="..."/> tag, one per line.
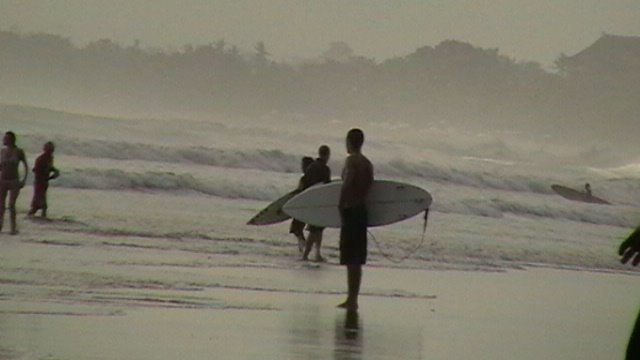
<point x="317" y="173"/>
<point x="297" y="226"/>
<point x="44" y="171"/>
<point x="357" y="176"/>
<point x="10" y="184"/>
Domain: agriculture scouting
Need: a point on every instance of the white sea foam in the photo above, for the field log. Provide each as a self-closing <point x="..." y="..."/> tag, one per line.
<point x="489" y="194"/>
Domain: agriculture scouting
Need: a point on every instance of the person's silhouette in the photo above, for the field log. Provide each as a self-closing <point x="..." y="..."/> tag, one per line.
<point x="10" y="183"/>
<point x="630" y="252"/>
<point x="44" y="171"/>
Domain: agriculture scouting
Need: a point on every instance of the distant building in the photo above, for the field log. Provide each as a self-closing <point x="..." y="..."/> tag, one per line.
<point x="609" y="56"/>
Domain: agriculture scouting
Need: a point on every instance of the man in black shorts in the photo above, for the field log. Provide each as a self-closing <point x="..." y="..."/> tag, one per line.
<point x="317" y="173"/>
<point x="357" y="176"/>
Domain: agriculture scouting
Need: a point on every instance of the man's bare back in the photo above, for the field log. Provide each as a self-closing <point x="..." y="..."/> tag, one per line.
<point x="358" y="177"/>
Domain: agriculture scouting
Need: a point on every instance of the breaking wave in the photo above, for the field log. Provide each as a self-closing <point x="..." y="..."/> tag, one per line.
<point x="260" y="159"/>
<point x="259" y="186"/>
<point x="265" y="174"/>
<point x="116" y="179"/>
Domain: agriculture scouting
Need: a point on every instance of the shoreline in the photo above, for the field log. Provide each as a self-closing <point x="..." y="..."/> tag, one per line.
<point x="214" y="225"/>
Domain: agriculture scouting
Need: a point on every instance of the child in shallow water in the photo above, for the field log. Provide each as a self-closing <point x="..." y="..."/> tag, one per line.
<point x="44" y="171"/>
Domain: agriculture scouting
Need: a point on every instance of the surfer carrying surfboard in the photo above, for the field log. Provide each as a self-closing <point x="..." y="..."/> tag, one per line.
<point x="297" y="226"/>
<point x="317" y="173"/>
<point x="357" y="176"/>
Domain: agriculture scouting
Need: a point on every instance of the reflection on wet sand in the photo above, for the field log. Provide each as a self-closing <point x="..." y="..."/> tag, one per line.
<point x="349" y="336"/>
<point x="306" y="335"/>
<point x="383" y="337"/>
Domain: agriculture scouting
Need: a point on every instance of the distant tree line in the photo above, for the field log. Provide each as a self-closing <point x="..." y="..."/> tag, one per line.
<point x="450" y="82"/>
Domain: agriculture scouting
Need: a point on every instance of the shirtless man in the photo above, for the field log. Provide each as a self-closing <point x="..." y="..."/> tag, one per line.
<point x="10" y="184"/>
<point x="357" y="176"/>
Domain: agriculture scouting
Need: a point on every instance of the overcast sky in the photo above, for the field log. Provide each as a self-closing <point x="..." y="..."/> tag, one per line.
<point x="536" y="30"/>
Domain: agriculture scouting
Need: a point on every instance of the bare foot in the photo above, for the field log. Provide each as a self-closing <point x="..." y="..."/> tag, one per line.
<point x="349" y="305"/>
<point x="320" y="259"/>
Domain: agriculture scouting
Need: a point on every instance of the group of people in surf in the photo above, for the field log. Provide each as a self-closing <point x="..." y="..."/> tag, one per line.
<point x="11" y="156"/>
<point x="357" y="177"/>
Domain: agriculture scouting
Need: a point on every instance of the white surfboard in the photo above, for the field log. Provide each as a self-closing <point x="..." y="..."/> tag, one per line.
<point x="273" y="214"/>
<point x="387" y="202"/>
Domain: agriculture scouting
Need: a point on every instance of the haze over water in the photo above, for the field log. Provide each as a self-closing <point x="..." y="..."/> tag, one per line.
<point x="175" y="122"/>
<point x="525" y="29"/>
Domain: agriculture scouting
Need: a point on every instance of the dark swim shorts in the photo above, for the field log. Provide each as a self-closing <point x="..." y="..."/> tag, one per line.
<point x="296" y="227"/>
<point x="353" y="236"/>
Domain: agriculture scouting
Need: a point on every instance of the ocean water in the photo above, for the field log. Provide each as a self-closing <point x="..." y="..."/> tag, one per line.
<point x="147" y="254"/>
<point x="493" y="206"/>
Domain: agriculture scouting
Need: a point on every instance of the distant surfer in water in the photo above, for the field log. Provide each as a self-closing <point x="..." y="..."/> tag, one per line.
<point x="630" y="252"/>
<point x="357" y="176"/>
<point x="587" y="190"/>
<point x="297" y="226"/>
<point x="10" y="184"/>
<point x="317" y="173"/>
<point x="44" y="171"/>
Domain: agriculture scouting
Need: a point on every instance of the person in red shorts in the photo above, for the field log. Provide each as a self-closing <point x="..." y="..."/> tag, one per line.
<point x="44" y="171"/>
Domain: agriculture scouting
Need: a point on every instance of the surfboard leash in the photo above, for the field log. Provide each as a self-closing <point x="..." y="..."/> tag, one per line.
<point x="409" y="253"/>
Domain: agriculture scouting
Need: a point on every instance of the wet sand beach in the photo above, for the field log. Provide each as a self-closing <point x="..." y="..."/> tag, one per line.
<point x="274" y="313"/>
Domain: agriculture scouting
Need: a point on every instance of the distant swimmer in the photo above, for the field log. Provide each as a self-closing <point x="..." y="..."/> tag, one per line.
<point x="317" y="173"/>
<point x="297" y="226"/>
<point x="357" y="176"/>
<point x="44" y="171"/>
<point x="10" y="184"/>
<point x="587" y="190"/>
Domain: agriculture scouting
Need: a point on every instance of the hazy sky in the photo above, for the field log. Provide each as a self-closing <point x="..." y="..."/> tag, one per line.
<point x="537" y="30"/>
